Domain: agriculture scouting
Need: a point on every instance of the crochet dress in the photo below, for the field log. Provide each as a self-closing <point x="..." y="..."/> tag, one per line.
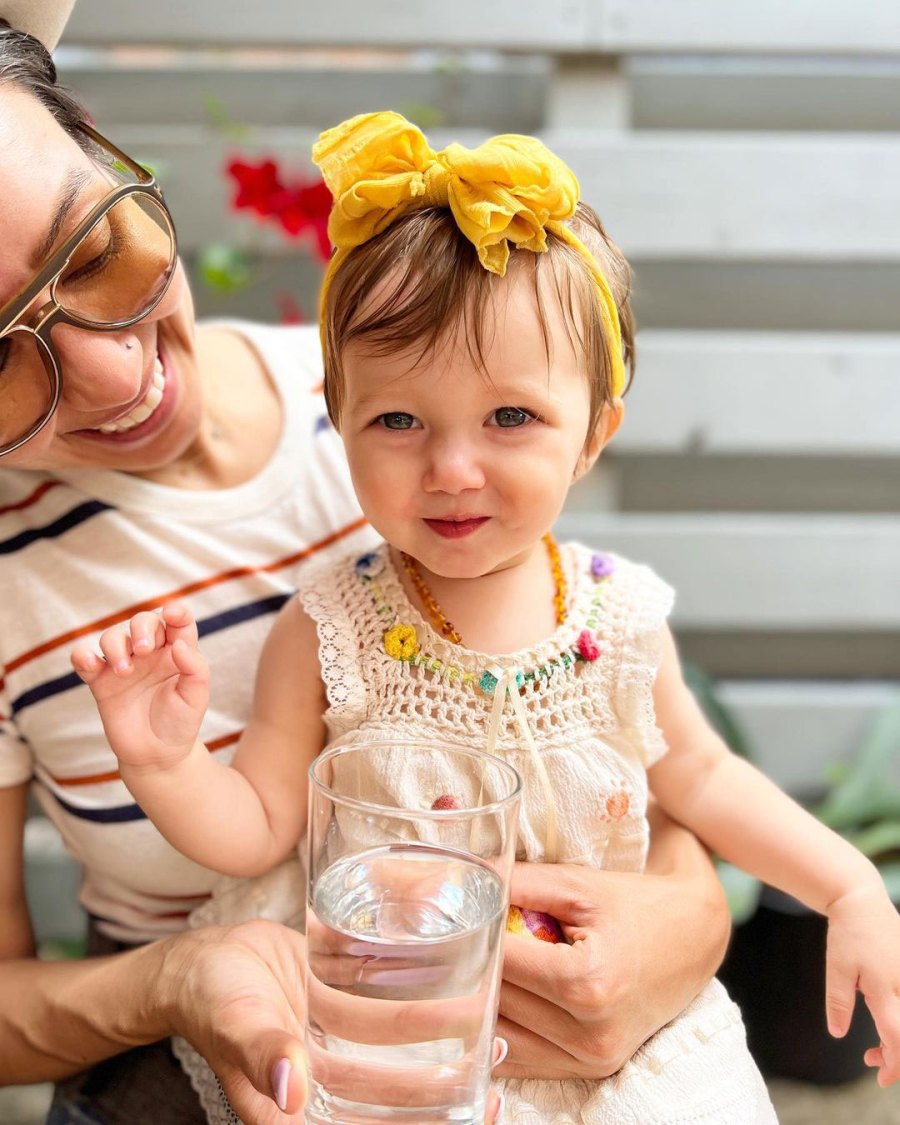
<point x="586" y="695"/>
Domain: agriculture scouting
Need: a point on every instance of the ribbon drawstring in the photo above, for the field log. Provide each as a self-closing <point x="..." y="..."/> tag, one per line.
<point x="508" y="684"/>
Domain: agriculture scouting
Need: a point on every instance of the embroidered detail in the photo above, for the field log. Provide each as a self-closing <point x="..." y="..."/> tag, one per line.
<point x="444" y="802"/>
<point x="369" y="565"/>
<point x="400" y="642"/>
<point x="587" y="646"/>
<point x="488" y="683"/>
<point x="602" y="565"/>
<point x="618" y="804"/>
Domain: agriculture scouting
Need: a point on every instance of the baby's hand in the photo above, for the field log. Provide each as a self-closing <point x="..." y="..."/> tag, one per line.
<point x="152" y="688"/>
<point x="864" y="954"/>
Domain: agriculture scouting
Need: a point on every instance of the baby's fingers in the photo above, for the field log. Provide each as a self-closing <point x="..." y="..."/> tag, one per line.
<point x="841" y="978"/>
<point x="886" y="1056"/>
<point x="193" y="678"/>
<point x="147" y="633"/>
<point x="87" y="663"/>
<point x="180" y="624"/>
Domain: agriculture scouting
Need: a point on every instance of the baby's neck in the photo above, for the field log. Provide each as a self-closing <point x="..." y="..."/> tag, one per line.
<point x="501" y="612"/>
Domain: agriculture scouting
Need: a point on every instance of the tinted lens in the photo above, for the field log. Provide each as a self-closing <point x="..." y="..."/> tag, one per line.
<point x="26" y="390"/>
<point x="122" y="267"/>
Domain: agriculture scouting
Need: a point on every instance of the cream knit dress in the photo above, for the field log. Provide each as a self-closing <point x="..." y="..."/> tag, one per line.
<point x="586" y="695"/>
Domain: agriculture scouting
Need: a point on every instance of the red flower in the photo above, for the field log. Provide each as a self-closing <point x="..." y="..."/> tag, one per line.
<point x="587" y="646"/>
<point x="305" y="206"/>
<point x="258" y="186"/>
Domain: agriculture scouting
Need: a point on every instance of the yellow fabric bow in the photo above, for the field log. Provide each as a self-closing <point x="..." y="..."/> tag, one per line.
<point x="379" y="166"/>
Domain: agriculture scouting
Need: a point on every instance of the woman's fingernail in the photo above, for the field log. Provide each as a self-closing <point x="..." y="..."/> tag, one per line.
<point x="281" y="1073"/>
<point x="501" y="1105"/>
<point x="501" y="1050"/>
<point x="143" y="645"/>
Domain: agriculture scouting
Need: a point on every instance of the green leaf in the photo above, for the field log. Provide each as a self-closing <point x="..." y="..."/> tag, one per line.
<point x="723" y="721"/>
<point x="223" y="268"/>
<point x="870" y="789"/>
<point x="890" y="872"/>
<point x="741" y="890"/>
<point x="877" y="839"/>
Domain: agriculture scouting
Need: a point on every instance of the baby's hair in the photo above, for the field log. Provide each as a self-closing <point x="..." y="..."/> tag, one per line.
<point x="440" y="284"/>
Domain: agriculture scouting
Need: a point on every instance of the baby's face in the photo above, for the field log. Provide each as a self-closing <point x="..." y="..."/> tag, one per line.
<point x="466" y="469"/>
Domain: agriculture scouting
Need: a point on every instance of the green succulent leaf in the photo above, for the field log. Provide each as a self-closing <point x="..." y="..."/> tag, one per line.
<point x="224" y="269"/>
<point x="877" y="839"/>
<point x="870" y="788"/>
<point x="741" y="890"/>
<point x="890" y="872"/>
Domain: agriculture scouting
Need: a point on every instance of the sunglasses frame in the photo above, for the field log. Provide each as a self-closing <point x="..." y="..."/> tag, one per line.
<point x="39" y="325"/>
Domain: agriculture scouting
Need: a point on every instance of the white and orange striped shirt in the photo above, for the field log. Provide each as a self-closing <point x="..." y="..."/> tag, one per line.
<point x="81" y="551"/>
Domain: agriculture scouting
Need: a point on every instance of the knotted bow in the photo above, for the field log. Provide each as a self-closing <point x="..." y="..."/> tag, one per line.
<point x="507" y="687"/>
<point x="510" y="189"/>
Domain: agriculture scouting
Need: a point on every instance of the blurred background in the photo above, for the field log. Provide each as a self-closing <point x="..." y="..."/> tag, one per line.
<point x="746" y="157"/>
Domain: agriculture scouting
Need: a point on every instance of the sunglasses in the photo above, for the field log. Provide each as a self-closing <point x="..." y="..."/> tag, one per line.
<point x="112" y="271"/>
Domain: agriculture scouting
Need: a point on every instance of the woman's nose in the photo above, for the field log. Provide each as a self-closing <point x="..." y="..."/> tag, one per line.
<point x="453" y="467"/>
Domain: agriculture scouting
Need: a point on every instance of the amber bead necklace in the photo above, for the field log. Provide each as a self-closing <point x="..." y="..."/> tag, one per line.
<point x="437" y="616"/>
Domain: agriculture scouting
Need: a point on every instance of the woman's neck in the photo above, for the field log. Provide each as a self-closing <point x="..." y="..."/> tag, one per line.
<point x="501" y="612"/>
<point x="241" y="421"/>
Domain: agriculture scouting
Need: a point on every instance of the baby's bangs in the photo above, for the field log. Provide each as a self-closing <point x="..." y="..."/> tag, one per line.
<point x="410" y="288"/>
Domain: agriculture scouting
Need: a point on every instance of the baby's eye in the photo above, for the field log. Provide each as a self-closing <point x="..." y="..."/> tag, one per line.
<point x="510" y="417"/>
<point x="396" y="420"/>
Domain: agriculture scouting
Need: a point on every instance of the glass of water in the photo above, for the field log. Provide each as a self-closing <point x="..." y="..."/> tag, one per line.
<point x="411" y="846"/>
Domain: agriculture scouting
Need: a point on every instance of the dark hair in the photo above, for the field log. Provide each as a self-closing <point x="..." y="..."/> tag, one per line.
<point x="25" y="62"/>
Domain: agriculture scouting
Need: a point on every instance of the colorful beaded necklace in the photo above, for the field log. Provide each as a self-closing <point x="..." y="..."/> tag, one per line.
<point x="436" y="614"/>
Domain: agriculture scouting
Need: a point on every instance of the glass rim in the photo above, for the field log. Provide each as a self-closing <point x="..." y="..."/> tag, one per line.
<point x="437" y="815"/>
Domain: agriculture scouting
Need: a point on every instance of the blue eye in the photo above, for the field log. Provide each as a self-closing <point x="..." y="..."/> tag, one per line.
<point x="511" y="417"/>
<point x="397" y="420"/>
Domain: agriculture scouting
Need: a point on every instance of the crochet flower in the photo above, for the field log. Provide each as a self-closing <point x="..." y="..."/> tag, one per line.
<point x="369" y="565"/>
<point x="602" y="566"/>
<point x="400" y="642"/>
<point x="587" y="646"/>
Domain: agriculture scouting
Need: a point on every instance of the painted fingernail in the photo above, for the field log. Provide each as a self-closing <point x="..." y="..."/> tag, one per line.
<point x="501" y="1050"/>
<point x="281" y="1074"/>
<point x="143" y="645"/>
<point x="123" y="666"/>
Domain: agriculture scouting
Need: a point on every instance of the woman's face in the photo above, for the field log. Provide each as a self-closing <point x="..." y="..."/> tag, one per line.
<point x="132" y="398"/>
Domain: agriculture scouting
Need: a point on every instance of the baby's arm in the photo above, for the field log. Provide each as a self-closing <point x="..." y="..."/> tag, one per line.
<point x="747" y="820"/>
<point x="152" y="693"/>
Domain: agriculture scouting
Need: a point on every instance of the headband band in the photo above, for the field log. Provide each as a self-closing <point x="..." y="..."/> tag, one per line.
<point x="511" y="189"/>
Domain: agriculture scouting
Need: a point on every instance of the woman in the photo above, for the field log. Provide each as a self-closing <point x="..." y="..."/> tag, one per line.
<point x="139" y="459"/>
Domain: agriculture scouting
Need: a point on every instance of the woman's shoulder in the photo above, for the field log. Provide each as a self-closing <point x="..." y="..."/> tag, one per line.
<point x="292" y="353"/>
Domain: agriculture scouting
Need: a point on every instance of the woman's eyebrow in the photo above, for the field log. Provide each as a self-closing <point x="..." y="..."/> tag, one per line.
<point x="74" y="181"/>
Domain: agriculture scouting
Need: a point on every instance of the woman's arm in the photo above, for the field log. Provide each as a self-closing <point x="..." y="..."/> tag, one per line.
<point x="644" y="946"/>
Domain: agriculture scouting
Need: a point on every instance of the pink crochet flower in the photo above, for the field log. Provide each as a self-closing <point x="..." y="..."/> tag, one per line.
<point x="587" y="646"/>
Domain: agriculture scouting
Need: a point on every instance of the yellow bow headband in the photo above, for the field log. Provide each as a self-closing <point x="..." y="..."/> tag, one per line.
<point x="379" y="166"/>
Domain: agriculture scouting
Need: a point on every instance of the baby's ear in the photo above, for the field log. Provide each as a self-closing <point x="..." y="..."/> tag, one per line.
<point x="609" y="421"/>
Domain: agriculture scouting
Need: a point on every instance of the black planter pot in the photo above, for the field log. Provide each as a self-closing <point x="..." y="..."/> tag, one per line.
<point x="775" y="972"/>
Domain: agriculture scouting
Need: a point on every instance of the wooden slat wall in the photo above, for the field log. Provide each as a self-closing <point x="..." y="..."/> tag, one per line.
<point x="745" y="157"/>
<point x="610" y="26"/>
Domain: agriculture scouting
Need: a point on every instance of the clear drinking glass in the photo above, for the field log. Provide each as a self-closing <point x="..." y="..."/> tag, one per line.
<point x="411" y="846"/>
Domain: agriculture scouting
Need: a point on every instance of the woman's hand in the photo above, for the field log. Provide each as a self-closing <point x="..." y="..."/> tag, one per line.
<point x="238" y="995"/>
<point x="643" y="946"/>
<point x="152" y="687"/>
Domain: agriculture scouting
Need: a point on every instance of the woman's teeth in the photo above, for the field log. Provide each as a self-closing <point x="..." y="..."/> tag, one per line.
<point x="144" y="409"/>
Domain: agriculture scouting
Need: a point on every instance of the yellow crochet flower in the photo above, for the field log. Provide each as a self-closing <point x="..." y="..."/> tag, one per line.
<point x="400" y="642"/>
